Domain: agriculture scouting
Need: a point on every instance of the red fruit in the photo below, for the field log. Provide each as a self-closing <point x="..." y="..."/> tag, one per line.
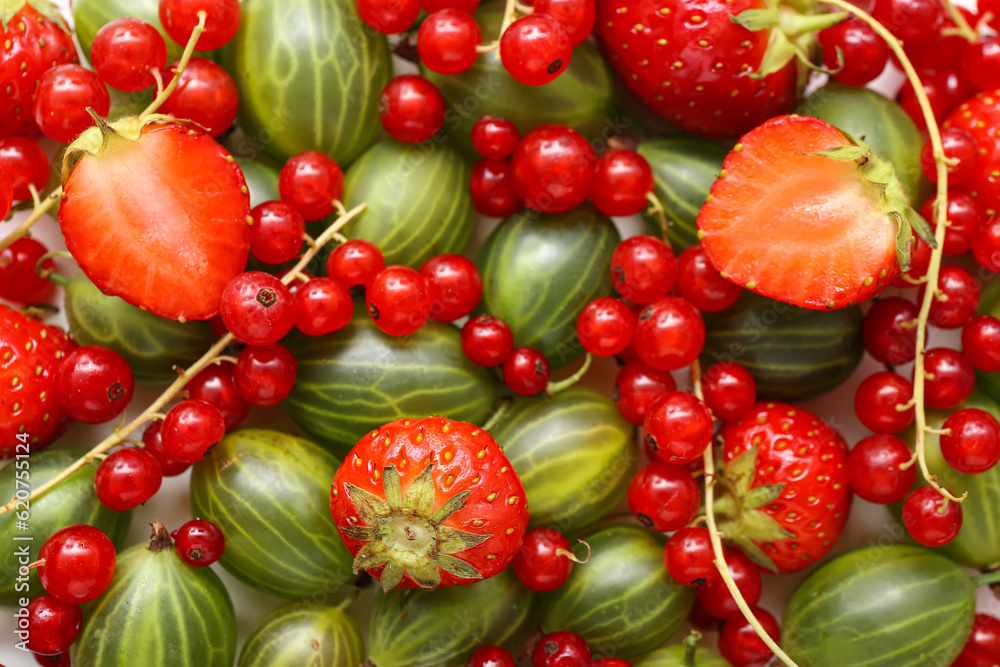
<point x="986" y="248"/>
<point x="740" y="644"/>
<point x="923" y="19"/>
<point x="958" y="145"/>
<point x="536" y="49"/>
<point x="79" y="564"/>
<point x="983" y="647"/>
<point x="311" y="182"/>
<point x="643" y="269"/>
<point x="561" y="649"/>
<point x="264" y="376"/>
<point x="355" y="262"/>
<point x="431" y="6"/>
<point x="454" y="285"/>
<point x="889" y="332"/>
<point x="701" y="283"/>
<point x="126" y="52"/>
<point x="637" y="388"/>
<point x="487" y="341"/>
<point x="956" y="300"/>
<point x="205" y="94"/>
<point x="494" y="138"/>
<point x="127" y="478"/>
<point x="715" y="596"/>
<point x="39" y="39"/>
<point x="53" y="625"/>
<point x="920" y="259"/>
<point x="25" y="163"/>
<point x="875" y="469"/>
<point x="491" y="185"/>
<point x="62" y="97"/>
<point x="398" y="300"/>
<point x="60" y="660"/>
<point x="153" y="443"/>
<point x="745" y="213"/>
<point x="388" y="17"/>
<point x="19" y="279"/>
<point x="191" y="430"/>
<point x="879" y="399"/>
<point x="705" y="90"/>
<point x="799" y="460"/>
<point x="623" y="181"/>
<point x="730" y="391"/>
<point x="664" y="497"/>
<point x="257" y="308"/>
<point x="981" y="63"/>
<point x="429" y="502"/>
<point x="605" y="326"/>
<point x="277" y="232"/>
<point x="949" y="378"/>
<point x="411" y="109"/>
<point x="491" y="656"/>
<point x="945" y="88"/>
<point x="180" y="17"/>
<point x="981" y="342"/>
<point x="678" y="427"/>
<point x="94" y="384"/>
<point x="171" y="250"/>
<point x="610" y="662"/>
<point x="216" y="385"/>
<point x="526" y="371"/>
<point x="552" y="168"/>
<point x="930" y="518"/>
<point x="322" y="306"/>
<point x="853" y="51"/>
<point x="30" y="354"/>
<point x="971" y="444"/>
<point x="545" y="561"/>
<point x="577" y="16"/>
<point x="447" y="41"/>
<point x="199" y="542"/>
<point x="689" y="558"/>
<point x="980" y="117"/>
<point x="670" y="334"/>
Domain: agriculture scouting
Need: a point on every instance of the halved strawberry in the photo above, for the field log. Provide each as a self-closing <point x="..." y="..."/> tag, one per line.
<point x="156" y="213"/>
<point x="805" y="214"/>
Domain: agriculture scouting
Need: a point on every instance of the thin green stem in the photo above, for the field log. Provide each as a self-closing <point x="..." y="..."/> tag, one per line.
<point x="554" y="388"/>
<point x="162" y="96"/>
<point x="987" y="579"/>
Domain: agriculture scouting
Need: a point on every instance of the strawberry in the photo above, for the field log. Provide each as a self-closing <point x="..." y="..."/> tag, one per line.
<point x="980" y="117"/>
<point x="35" y="38"/>
<point x="156" y="213"/>
<point x="788" y="498"/>
<point x="806" y="214"/>
<point x="429" y="502"/>
<point x="30" y="352"/>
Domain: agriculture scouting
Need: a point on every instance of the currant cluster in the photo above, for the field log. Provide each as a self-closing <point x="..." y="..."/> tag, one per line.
<point x="556" y="649"/>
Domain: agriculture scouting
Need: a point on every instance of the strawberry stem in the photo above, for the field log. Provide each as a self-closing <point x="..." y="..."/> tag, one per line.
<point x="163" y="94"/>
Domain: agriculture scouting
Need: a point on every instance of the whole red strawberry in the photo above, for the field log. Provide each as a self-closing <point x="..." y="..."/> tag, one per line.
<point x="790" y="498"/>
<point x="35" y="38"/>
<point x="30" y="352"/>
<point x="429" y="502"/>
<point x="980" y="117"/>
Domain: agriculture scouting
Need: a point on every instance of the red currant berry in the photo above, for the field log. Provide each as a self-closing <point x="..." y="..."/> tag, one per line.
<point x="643" y="269"/>
<point x="879" y="399"/>
<point x="678" y="427"/>
<point x="487" y="341"/>
<point x="701" y="284"/>
<point x="637" y="387"/>
<point x="972" y="444"/>
<point x="58" y="660"/>
<point x="605" y="326"/>
<point x="94" y="384"/>
<point x="670" y="334"/>
<point x="535" y="49"/>
<point x="322" y="306"/>
<point x="491" y="185"/>
<point x="730" y="391"/>
<point x="467" y="6"/>
<point x="664" y="497"/>
<point x="981" y="63"/>
<point x="545" y="561"/>
<point x="958" y="145"/>
<point x="191" y="430"/>
<point x="6" y="192"/>
<point x="689" y="558"/>
<point x="526" y="371"/>
<point x="180" y="18"/>
<point x="447" y="41"/>
<point x="199" y="542"/>
<point x="454" y="285"/>
<point x="577" y="16"/>
<point x="257" y="308"/>
<point x="981" y="342"/>
<point x="264" y="376"/>
<point x="19" y="280"/>
<point x="854" y="52"/>
<point x="983" y="647"/>
<point x="355" y="262"/>
<point x="963" y="219"/>
<point x="311" y="182"/>
<point x="399" y="300"/>
<point x="610" y="662"/>
<point x="889" y="330"/>
<point x="875" y="469"/>
<point x="923" y="20"/>
<point x="62" y="97"/>
<point x="949" y="378"/>
<point x="25" y="163"/>
<point x="986" y="249"/>
<point x="126" y="52"/>
<point x="205" y="94"/>
<point x="389" y="17"/>
<point x="553" y="166"/>
<point x="53" y="625"/>
<point x="152" y="440"/>
<point x="491" y="656"/>
<point x="945" y="89"/>
<point x="411" y="109"/>
<point x="276" y="233"/>
<point x="740" y="644"/>
<point x="956" y="300"/>
<point x="715" y="596"/>
<point x="494" y="138"/>
<point x="622" y="183"/>
<point x="215" y="385"/>
<point x="561" y="649"/>
<point x="79" y="564"/>
<point x="920" y="259"/>
<point x="931" y="519"/>
<point x="127" y="478"/>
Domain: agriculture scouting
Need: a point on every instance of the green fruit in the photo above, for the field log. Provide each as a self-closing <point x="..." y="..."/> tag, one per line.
<point x="890" y="605"/>
<point x="793" y="353"/>
<point x="574" y="453"/>
<point x="540" y="270"/>
<point x="73" y="501"/>
<point x="881" y="123"/>
<point x="684" y="168"/>
<point x="262" y="180"/>
<point x="622" y="601"/>
<point x="314" y="84"/>
<point x="151" y="345"/>
<point x="359" y="378"/>
<point x="676" y="656"/>
<point x="989" y="304"/>
<point x="269" y="493"/>
<point x="299" y="634"/>
<point x="158" y="612"/>
<point x="582" y="97"/>
<point x="440" y="628"/>
<point x="418" y="201"/>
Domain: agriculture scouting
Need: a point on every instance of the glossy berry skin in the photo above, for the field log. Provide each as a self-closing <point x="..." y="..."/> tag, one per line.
<point x="494" y="137"/>
<point x="467" y="6"/>
<point x="730" y="391"/>
<point x="927" y="519"/>
<point x="322" y="306"/>
<point x="199" y="542"/>
<point x="981" y="63"/>
<point x="923" y="20"/>
<point x="399" y="300"/>
<point x="61" y="100"/>
<point x="577" y="16"/>
<point x="264" y="376"/>
<point x="664" y="497"/>
<point x="59" y="660"/>
<point x="543" y="563"/>
<point x="25" y="163"/>
<point x="388" y="17"/>
<point x="94" y="384"/>
<point x="983" y="647"/>
<point x="311" y="182"/>
<point x="127" y="478"/>
<point x="876" y="401"/>
<point x="740" y="644"/>
<point x="526" y="371"/>
<point x="180" y="17"/>
<point x="973" y="444"/>
<point x="411" y="109"/>
<point x="535" y="49"/>
<point x="669" y="334"/>
<point x="79" y="564"/>
<point x="19" y="280"/>
<point x="454" y="285"/>
<point x="946" y="89"/>
<point x="126" y="51"/>
<point x="986" y="248"/>
<point x="715" y="596"/>
<point x="863" y="54"/>
<point x="491" y="656"/>
<point x="963" y="219"/>
<point x="701" y="284"/>
<point x="949" y="378"/>
<point x="257" y="308"/>
<point x="6" y="192"/>
<point x="981" y="342"/>
<point x="191" y="430"/>
<point x="53" y="625"/>
<point x="958" y="145"/>
<point x="205" y="94"/>
<point x="153" y="443"/>
<point x="678" y="427"/>
<point x="355" y="262"/>
<point x="491" y="185"/>
<point x="622" y="181"/>
<point x="981" y="119"/>
<point x="688" y="556"/>
<point x="920" y="259"/>
<point x="447" y="41"/>
<point x="874" y="469"/>
<point x="553" y="167"/>
<point x="216" y="385"/>
<point x="957" y="298"/>
<point x="605" y="326"/>
<point x="277" y="232"/>
<point x="643" y="269"/>
<point x="487" y="341"/>
<point x="561" y="649"/>
<point x="637" y="388"/>
<point x="888" y="332"/>
<point x="610" y="662"/>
